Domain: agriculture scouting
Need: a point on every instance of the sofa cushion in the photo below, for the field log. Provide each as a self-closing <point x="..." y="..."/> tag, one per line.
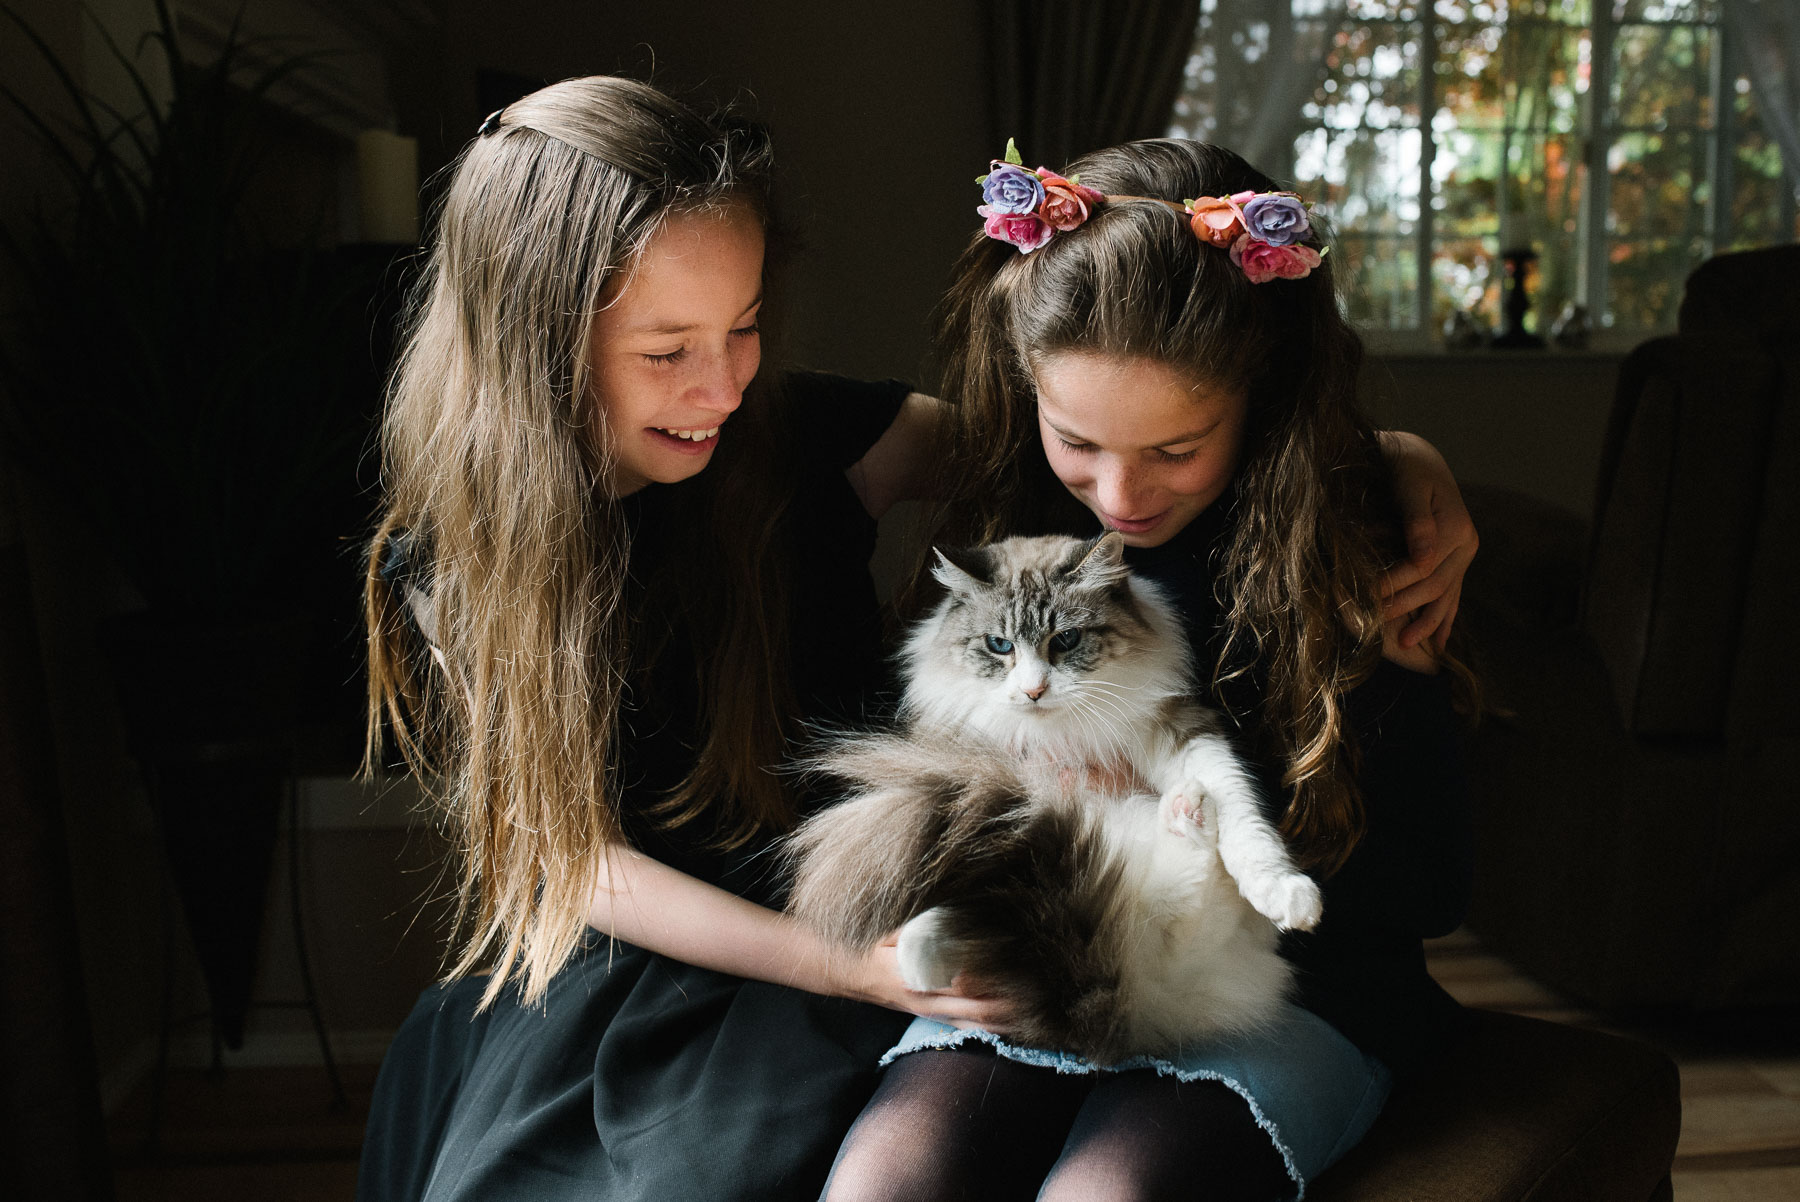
<point x="1522" y="1109"/>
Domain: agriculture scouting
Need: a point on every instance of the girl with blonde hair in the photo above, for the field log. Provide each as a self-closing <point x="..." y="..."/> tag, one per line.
<point x="621" y="562"/>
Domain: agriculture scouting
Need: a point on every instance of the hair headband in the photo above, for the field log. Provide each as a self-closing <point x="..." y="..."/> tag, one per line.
<point x="1263" y="231"/>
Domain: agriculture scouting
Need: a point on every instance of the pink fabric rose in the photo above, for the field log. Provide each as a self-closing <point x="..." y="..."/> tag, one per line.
<point x="1262" y="262"/>
<point x="1026" y="231"/>
<point x="1066" y="204"/>
<point x="1217" y="219"/>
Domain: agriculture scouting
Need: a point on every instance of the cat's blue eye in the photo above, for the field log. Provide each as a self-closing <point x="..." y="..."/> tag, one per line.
<point x="1066" y="640"/>
<point x="998" y="645"/>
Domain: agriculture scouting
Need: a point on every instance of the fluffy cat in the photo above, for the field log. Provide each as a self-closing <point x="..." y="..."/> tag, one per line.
<point x="1057" y="816"/>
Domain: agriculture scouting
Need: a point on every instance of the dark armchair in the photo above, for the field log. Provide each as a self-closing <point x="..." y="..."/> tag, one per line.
<point x="1638" y="809"/>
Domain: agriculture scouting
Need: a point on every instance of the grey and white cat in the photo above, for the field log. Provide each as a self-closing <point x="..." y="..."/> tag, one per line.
<point x="1056" y="815"/>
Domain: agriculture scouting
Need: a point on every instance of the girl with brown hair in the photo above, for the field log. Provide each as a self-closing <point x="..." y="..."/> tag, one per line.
<point x="1153" y="340"/>
<point x="621" y="562"/>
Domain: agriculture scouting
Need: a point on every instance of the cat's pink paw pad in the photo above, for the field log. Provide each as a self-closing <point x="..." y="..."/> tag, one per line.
<point x="1183" y="810"/>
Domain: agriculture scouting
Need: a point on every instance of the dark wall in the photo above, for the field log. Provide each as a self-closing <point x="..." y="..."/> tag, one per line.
<point x="880" y="114"/>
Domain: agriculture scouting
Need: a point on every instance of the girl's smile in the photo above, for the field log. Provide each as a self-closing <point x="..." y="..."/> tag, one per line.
<point x="1142" y="445"/>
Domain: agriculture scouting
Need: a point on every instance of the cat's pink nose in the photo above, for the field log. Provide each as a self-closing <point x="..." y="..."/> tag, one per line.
<point x="1038" y="690"/>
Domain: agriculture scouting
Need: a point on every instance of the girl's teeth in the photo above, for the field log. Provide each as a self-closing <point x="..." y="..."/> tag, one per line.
<point x="692" y="435"/>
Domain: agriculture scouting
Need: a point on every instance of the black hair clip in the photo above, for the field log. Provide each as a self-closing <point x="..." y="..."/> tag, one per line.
<point x="490" y="123"/>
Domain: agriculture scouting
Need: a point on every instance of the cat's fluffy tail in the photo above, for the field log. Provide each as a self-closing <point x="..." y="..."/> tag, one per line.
<point x="862" y="867"/>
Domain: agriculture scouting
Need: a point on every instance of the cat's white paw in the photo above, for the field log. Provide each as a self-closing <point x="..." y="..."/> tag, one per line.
<point x="925" y="962"/>
<point x="1183" y="810"/>
<point x="1291" y="901"/>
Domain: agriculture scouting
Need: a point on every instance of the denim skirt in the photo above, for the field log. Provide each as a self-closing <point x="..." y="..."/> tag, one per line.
<point x="1311" y="1089"/>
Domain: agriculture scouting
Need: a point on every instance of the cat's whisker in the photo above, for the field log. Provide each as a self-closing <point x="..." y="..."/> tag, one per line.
<point x="1094" y="720"/>
<point x="1119" y="717"/>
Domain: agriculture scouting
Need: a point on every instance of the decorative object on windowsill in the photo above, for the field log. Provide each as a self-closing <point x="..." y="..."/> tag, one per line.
<point x="1570" y="330"/>
<point x="1464" y="331"/>
<point x="1513" y="335"/>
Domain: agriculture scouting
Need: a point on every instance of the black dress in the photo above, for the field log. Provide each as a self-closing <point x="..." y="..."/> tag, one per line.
<point x="637" y="1076"/>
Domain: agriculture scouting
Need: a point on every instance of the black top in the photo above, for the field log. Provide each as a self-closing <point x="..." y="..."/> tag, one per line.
<point x="823" y="543"/>
<point x="1363" y="968"/>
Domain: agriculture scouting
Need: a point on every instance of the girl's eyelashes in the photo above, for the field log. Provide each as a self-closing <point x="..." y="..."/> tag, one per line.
<point x="680" y="352"/>
<point x="1161" y="455"/>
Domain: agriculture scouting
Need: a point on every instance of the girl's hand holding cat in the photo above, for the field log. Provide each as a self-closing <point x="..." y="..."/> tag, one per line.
<point x="877" y="979"/>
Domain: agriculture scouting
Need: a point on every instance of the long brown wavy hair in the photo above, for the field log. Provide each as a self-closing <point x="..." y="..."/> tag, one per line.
<point x="495" y="471"/>
<point x="1313" y="525"/>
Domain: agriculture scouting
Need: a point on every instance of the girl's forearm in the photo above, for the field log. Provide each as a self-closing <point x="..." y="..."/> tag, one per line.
<point x="664" y="910"/>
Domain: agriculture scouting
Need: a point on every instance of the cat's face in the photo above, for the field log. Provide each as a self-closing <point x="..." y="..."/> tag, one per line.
<point x="1042" y="639"/>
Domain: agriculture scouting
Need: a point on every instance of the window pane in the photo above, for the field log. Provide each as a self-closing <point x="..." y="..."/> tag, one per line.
<point x="1372" y="79"/>
<point x="1470" y="87"/>
<point x="1761" y="194"/>
<point x="1378" y="278"/>
<point x="1465" y="275"/>
<point x="1644" y="279"/>
<point x="1465" y="175"/>
<point x="1756" y="201"/>
<point x="1659" y="185"/>
<point x="1368" y="180"/>
<point x="1660" y="77"/>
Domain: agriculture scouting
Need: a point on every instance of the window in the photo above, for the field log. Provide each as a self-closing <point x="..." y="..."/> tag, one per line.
<point x="1619" y="139"/>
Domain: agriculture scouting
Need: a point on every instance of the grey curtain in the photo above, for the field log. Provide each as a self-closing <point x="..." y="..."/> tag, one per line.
<point x="1070" y="77"/>
<point x="1255" y="65"/>
<point x="1767" y="38"/>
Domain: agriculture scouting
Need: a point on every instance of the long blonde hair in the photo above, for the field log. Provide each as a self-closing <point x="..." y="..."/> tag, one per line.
<point x="1313" y="519"/>
<point x="495" y="473"/>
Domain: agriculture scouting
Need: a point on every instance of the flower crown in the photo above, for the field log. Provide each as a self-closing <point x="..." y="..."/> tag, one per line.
<point x="1262" y="230"/>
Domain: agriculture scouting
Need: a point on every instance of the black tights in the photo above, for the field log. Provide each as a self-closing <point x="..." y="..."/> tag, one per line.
<point x="965" y="1123"/>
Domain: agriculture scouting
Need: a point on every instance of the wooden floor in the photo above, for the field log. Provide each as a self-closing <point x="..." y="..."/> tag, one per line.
<point x="273" y="1135"/>
<point x="1740" y="1084"/>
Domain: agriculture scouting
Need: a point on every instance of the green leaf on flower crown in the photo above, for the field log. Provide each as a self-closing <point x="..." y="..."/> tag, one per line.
<point x="1074" y="179"/>
<point x="981" y="179"/>
<point x="1012" y="154"/>
<point x="1323" y="251"/>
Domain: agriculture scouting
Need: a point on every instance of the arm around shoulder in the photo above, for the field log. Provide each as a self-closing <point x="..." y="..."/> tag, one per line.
<point x="899" y="466"/>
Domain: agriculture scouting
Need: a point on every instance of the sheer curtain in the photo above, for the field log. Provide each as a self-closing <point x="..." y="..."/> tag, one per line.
<point x="1255" y="64"/>
<point x="1767" y="37"/>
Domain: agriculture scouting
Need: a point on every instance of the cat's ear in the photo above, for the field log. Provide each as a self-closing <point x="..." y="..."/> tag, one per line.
<point x="1100" y="562"/>
<point x="960" y="569"/>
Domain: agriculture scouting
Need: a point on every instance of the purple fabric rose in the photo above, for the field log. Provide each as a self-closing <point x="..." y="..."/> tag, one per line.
<point x="1276" y="218"/>
<point x="1011" y="189"/>
<point x="1027" y="231"/>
